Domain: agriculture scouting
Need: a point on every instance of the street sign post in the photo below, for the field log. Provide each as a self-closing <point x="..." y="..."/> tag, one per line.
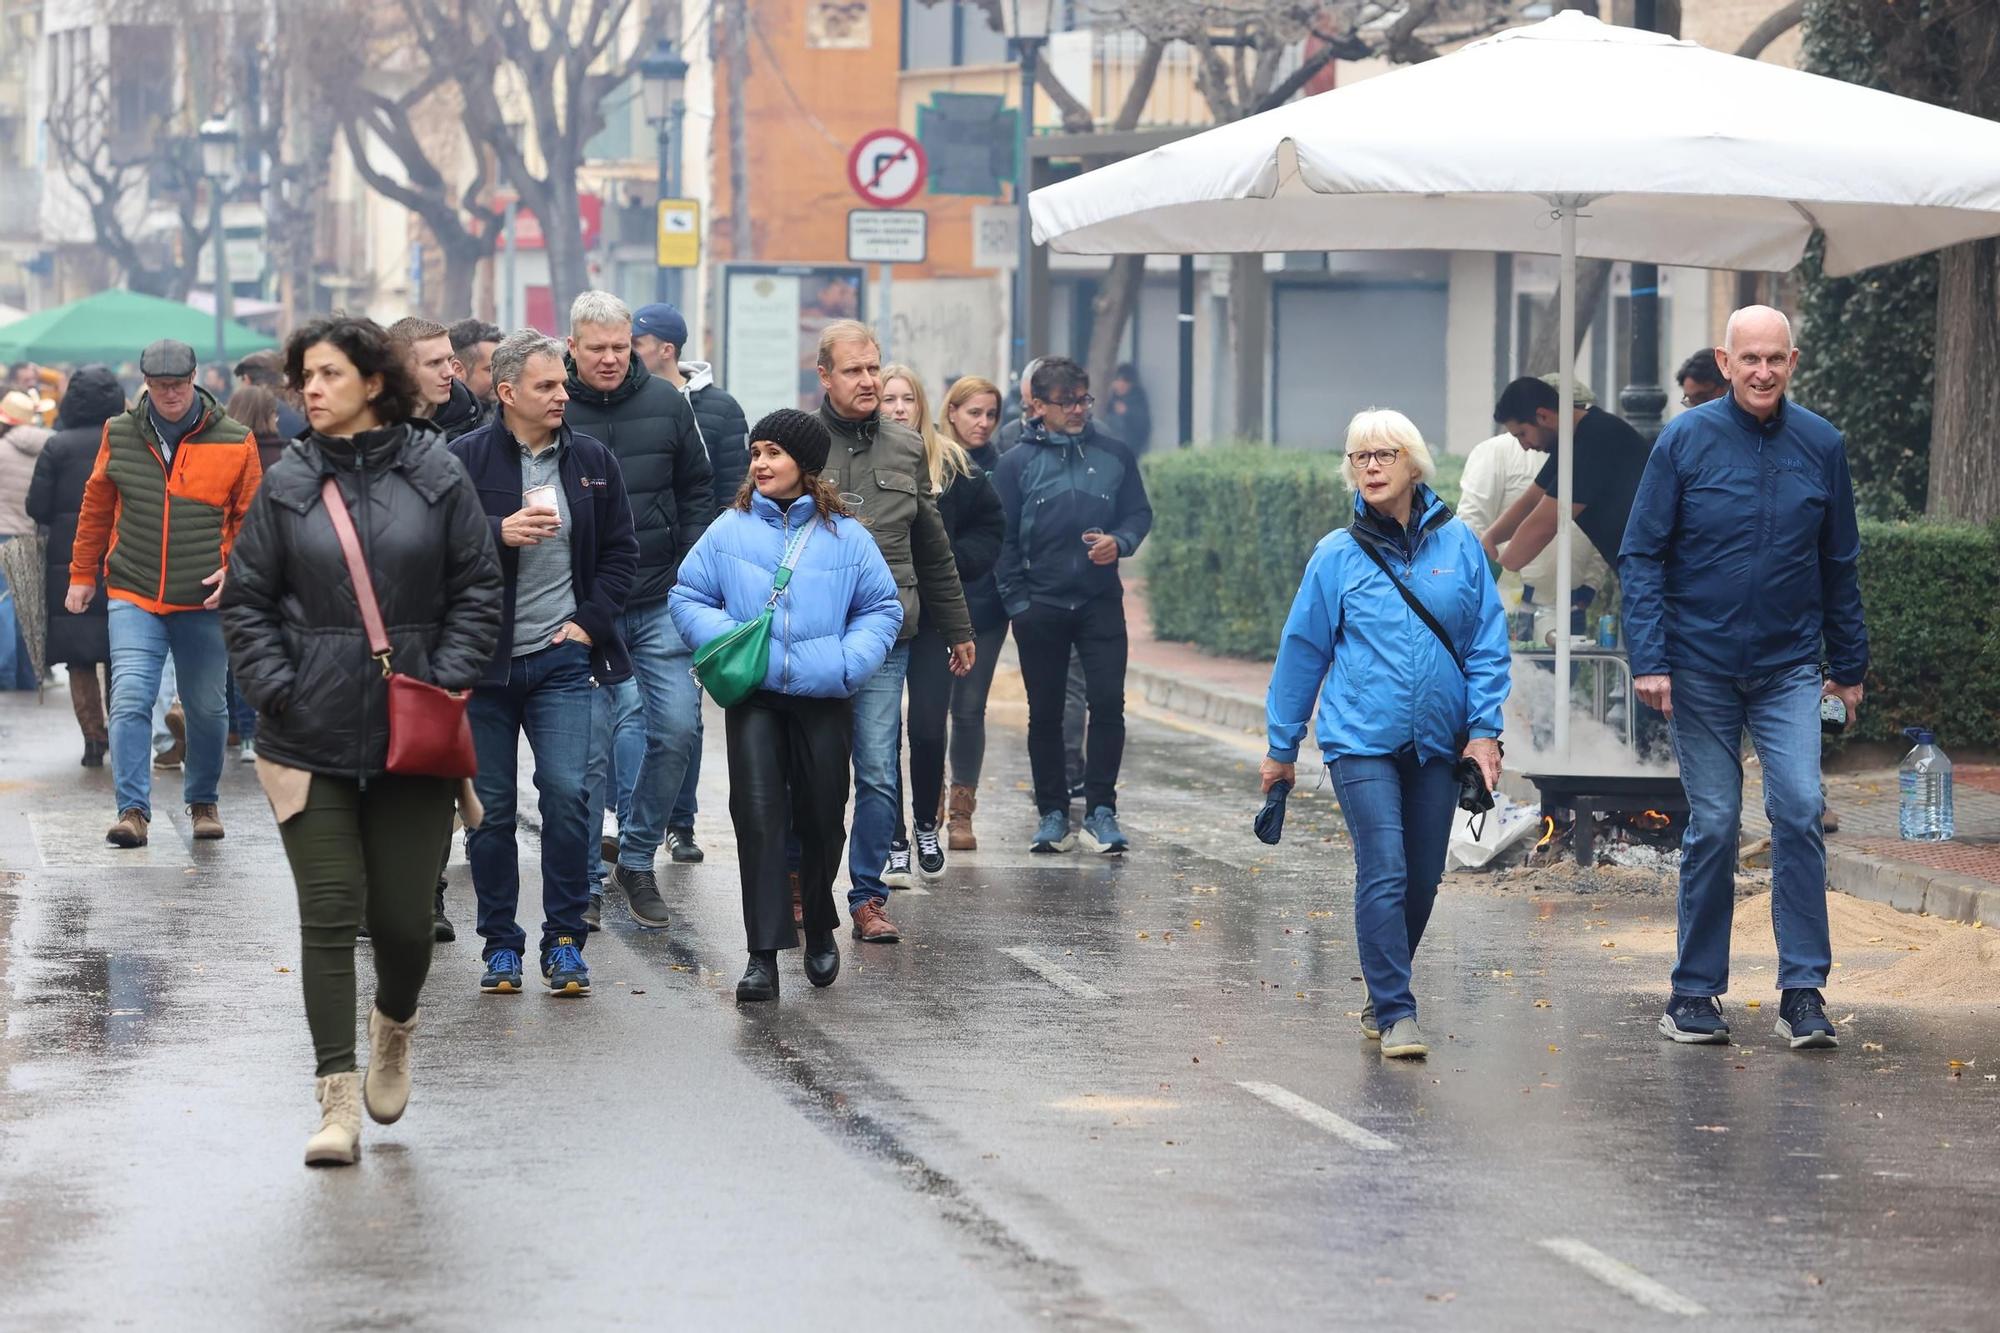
<point x="887" y="235"/>
<point x="887" y="168"/>
<point x="679" y="233"/>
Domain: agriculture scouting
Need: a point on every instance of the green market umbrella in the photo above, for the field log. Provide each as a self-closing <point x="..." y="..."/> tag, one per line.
<point x="115" y="326"/>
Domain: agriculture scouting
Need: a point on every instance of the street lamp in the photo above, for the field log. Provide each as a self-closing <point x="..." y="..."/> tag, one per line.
<point x="1026" y="24"/>
<point x="662" y="79"/>
<point x="218" y="162"/>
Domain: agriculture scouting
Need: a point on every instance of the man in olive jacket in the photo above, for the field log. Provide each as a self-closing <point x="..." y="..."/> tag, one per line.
<point x="173" y="479"/>
<point x="883" y="462"/>
<point x="649" y="426"/>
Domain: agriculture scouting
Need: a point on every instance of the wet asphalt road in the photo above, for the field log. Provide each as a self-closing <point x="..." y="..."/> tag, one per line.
<point x="1081" y="1094"/>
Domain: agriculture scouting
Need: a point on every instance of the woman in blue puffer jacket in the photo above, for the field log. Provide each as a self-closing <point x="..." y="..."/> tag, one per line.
<point x="791" y="743"/>
<point x="1398" y="704"/>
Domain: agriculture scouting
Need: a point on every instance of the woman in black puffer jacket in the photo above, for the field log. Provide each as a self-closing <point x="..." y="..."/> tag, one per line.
<point x="359" y="839"/>
<point x="55" y="498"/>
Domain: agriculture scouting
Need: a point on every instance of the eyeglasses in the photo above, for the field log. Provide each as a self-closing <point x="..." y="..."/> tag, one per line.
<point x="1380" y="457"/>
<point x="1071" y="404"/>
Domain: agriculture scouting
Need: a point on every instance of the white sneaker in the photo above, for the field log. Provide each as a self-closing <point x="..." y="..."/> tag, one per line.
<point x="896" y="874"/>
<point x="248" y="754"/>
<point x="930" y="854"/>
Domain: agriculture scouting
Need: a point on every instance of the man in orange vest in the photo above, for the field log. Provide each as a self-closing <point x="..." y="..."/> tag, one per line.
<point x="173" y="479"/>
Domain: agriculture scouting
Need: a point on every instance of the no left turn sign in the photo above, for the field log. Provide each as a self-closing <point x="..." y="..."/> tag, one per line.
<point x="887" y="168"/>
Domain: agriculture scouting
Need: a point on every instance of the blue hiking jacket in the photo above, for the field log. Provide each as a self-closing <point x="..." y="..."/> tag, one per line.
<point x="1742" y="550"/>
<point x="1379" y="678"/>
<point x="835" y="623"/>
<point x="1052" y="489"/>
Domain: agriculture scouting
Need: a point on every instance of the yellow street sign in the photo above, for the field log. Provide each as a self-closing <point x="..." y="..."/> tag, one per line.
<point x="680" y="233"/>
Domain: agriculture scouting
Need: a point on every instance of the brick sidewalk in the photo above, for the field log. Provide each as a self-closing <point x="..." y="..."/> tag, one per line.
<point x="1959" y="879"/>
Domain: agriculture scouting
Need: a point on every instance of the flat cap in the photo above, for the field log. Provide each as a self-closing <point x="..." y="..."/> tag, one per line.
<point x="167" y="359"/>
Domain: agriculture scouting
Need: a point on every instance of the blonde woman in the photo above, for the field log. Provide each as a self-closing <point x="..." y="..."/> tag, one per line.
<point x="971" y="418"/>
<point x="1398" y="701"/>
<point x="972" y="520"/>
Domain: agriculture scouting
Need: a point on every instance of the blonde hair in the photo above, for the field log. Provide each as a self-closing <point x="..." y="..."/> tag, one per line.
<point x="844" y="331"/>
<point x="1386" y="428"/>
<point x="945" y="459"/>
<point x="964" y="390"/>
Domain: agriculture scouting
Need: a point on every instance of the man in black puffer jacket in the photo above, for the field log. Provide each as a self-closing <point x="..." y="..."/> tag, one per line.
<point x="649" y="427"/>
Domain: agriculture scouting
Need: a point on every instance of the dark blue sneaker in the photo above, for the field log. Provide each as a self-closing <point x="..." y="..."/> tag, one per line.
<point x="1102" y="835"/>
<point x="503" y="973"/>
<point x="1053" y="835"/>
<point x="563" y="968"/>
<point x="1695" y="1020"/>
<point x="1802" y="1021"/>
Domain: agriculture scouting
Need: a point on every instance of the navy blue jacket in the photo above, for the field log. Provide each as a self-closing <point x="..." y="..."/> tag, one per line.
<point x="1054" y="488"/>
<point x="1741" y="552"/>
<point x="603" y="549"/>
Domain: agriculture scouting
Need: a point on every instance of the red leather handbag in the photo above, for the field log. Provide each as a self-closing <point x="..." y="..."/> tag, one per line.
<point x="429" y="736"/>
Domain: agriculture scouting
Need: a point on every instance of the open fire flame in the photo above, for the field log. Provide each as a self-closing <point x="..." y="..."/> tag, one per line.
<point x="1548" y="832"/>
<point x="1653" y="819"/>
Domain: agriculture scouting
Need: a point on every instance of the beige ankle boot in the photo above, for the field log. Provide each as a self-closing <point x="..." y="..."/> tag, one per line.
<point x="338" y="1142"/>
<point x="958" y="829"/>
<point x="386" y="1090"/>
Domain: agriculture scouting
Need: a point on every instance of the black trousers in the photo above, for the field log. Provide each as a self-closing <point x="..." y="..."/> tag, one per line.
<point x="789" y="760"/>
<point x="1044" y="636"/>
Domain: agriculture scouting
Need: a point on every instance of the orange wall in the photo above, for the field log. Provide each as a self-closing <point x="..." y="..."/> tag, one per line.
<point x="798" y="190"/>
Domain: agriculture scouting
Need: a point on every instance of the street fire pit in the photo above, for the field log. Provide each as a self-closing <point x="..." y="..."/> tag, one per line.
<point x="1654" y="806"/>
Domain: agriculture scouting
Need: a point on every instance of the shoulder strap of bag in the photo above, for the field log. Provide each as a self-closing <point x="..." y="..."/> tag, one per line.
<point x="357" y="570"/>
<point x="794" y="548"/>
<point x="1423" y="612"/>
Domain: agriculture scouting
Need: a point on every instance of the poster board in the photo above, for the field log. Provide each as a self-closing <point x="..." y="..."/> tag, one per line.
<point x="772" y="315"/>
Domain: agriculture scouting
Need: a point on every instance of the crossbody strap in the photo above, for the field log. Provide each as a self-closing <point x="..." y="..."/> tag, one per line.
<point x="794" y="548"/>
<point x="1423" y="612"/>
<point x="357" y="571"/>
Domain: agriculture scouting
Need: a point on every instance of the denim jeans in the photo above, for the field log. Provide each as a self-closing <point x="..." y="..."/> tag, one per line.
<point x="662" y="664"/>
<point x="617" y="748"/>
<point x="140" y="644"/>
<point x="688" y="804"/>
<point x="878" y="745"/>
<point x="1398" y="813"/>
<point x="548" y="696"/>
<point x="242" y="717"/>
<point x="17" y="669"/>
<point x="1781" y="711"/>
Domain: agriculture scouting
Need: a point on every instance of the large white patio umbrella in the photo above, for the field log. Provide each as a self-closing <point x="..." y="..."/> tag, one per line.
<point x="1569" y="137"/>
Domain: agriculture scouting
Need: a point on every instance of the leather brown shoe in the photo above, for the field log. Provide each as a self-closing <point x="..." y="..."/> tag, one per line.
<point x="129" y="831"/>
<point x="207" y="822"/>
<point x="177" y="728"/>
<point x="798" y="902"/>
<point x="873" y="926"/>
<point x="958" y="830"/>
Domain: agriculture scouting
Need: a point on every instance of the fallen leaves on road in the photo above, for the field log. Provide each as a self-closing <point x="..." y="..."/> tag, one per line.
<point x="1555" y="1050"/>
<point x="1713" y="1129"/>
<point x="284" y="969"/>
<point x="1441" y="1297"/>
<point x="1753" y="1004"/>
<point x="1541" y="1004"/>
<point x="1611" y="944"/>
<point x="1871" y="1045"/>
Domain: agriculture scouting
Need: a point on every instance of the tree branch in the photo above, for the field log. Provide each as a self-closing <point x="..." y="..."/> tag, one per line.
<point x="1775" y="25"/>
<point x="1076" y="116"/>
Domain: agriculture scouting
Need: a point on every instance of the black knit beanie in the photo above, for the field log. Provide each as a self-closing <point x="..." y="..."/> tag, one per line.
<point x="799" y="434"/>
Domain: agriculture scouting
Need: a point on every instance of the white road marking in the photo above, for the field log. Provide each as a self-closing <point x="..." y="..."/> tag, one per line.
<point x="1319" y="1117"/>
<point x="1065" y="981"/>
<point x="1621" y="1277"/>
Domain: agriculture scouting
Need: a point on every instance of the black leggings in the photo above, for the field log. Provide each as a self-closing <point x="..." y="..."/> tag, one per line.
<point x="936" y="695"/>
<point x="789" y="760"/>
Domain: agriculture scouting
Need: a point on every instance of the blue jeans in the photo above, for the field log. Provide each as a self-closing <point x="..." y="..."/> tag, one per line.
<point x="662" y="664"/>
<point x="17" y="669"/>
<point x="547" y="695"/>
<point x="617" y="748"/>
<point x="140" y="644"/>
<point x="1782" y="712"/>
<point x="686" y="805"/>
<point x="878" y="746"/>
<point x="1398" y="813"/>
<point x="242" y="717"/>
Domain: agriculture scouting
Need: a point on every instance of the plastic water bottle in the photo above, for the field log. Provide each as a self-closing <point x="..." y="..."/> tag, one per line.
<point x="1925" y="782"/>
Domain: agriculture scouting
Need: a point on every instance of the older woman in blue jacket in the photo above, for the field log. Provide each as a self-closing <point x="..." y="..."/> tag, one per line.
<point x="1397" y="704"/>
<point x="791" y="743"/>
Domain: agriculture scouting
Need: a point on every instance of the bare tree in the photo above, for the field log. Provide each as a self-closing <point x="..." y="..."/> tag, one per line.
<point x="119" y="172"/>
<point x="550" y="53"/>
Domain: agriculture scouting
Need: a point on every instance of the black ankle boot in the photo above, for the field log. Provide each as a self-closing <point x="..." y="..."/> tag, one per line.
<point x="442" y="930"/>
<point x="760" y="978"/>
<point x="93" y="753"/>
<point x="822" y="958"/>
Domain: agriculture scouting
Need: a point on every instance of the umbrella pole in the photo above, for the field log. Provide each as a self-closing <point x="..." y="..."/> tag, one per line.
<point x="1565" y="471"/>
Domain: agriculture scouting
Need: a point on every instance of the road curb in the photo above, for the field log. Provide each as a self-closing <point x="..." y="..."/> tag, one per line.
<point x="1201" y="703"/>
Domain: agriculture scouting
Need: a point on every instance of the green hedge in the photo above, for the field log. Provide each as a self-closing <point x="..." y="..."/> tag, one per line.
<point x="1233" y="528"/>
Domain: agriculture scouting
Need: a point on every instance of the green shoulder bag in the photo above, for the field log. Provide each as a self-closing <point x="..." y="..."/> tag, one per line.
<point x="732" y="666"/>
